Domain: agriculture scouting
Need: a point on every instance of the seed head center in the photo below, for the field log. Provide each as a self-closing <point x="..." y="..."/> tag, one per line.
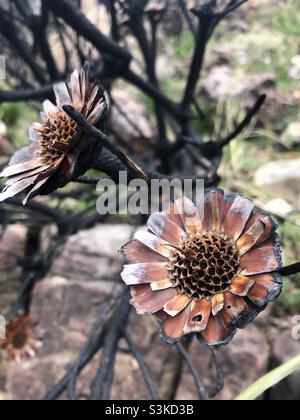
<point x="204" y="265"/>
<point x="56" y="135"/>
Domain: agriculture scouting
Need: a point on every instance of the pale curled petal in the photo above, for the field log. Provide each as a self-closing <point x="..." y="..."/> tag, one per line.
<point x="177" y="304"/>
<point x="156" y="244"/>
<point x="173" y="327"/>
<point x="199" y="316"/>
<point x="238" y="212"/>
<point x="147" y="301"/>
<point x="217" y="303"/>
<point x="250" y="237"/>
<point x="136" y="252"/>
<point x="165" y="229"/>
<point x="241" y="285"/>
<point x="263" y="259"/>
<point x="144" y="273"/>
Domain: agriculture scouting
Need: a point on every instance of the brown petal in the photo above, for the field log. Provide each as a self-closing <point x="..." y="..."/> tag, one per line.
<point x="156" y="244"/>
<point x="18" y="187"/>
<point x="213" y="210"/>
<point x="241" y="285"/>
<point x="35" y="190"/>
<point x="161" y="284"/>
<point x="62" y="95"/>
<point x="266" y="289"/>
<point x="249" y="314"/>
<point x="50" y="108"/>
<point x="190" y="215"/>
<point x="34" y="132"/>
<point x="174" y="214"/>
<point x="26" y="154"/>
<point x="164" y="228"/>
<point x="217" y="303"/>
<point x="13" y="179"/>
<point x="177" y="304"/>
<point x="147" y="302"/>
<point x="144" y="273"/>
<point x="270" y="225"/>
<point x="21" y="168"/>
<point x="250" y="237"/>
<point x="199" y="316"/>
<point x="174" y="326"/>
<point x="75" y="90"/>
<point x="234" y="306"/>
<point x="216" y="333"/>
<point x="136" y="252"/>
<point x="263" y="259"/>
<point x="238" y="210"/>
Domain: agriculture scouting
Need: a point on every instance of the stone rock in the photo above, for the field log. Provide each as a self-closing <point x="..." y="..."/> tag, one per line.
<point x="223" y="83"/>
<point x="30" y="381"/>
<point x="281" y="179"/>
<point x="66" y="311"/>
<point x="279" y="207"/>
<point x="221" y="55"/>
<point x="141" y="133"/>
<point x="291" y="136"/>
<point x="285" y="347"/>
<point x="244" y="361"/>
<point x="5" y="145"/>
<point x="93" y="254"/>
<point x="12" y="246"/>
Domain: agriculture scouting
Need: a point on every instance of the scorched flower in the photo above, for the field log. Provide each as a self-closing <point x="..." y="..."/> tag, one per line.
<point x="56" y="144"/>
<point x="23" y="338"/>
<point x="205" y="275"/>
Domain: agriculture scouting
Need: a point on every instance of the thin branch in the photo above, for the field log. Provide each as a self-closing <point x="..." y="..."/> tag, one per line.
<point x="290" y="270"/>
<point x="152" y="387"/>
<point x="219" y="375"/>
<point x="105" y="141"/>
<point x="198" y="382"/>
<point x="247" y="120"/>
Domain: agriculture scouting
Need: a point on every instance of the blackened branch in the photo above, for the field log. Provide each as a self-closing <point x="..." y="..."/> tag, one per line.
<point x="245" y="123"/>
<point x="194" y="372"/>
<point x="290" y="270"/>
<point x="151" y="385"/>
<point x="219" y="375"/>
<point x="205" y="21"/>
<point x="88" y="128"/>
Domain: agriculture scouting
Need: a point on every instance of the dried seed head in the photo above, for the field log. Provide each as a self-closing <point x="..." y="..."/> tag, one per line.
<point x="23" y="338"/>
<point x="57" y="132"/>
<point x="204" y="266"/>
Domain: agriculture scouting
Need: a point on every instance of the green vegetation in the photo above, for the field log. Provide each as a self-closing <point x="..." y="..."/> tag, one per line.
<point x="18" y="117"/>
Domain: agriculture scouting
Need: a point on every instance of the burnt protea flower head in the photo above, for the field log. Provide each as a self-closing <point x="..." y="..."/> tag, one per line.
<point x="23" y="339"/>
<point x="207" y="277"/>
<point x="56" y="143"/>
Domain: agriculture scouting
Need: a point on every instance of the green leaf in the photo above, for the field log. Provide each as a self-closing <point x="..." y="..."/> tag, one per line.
<point x="269" y="380"/>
